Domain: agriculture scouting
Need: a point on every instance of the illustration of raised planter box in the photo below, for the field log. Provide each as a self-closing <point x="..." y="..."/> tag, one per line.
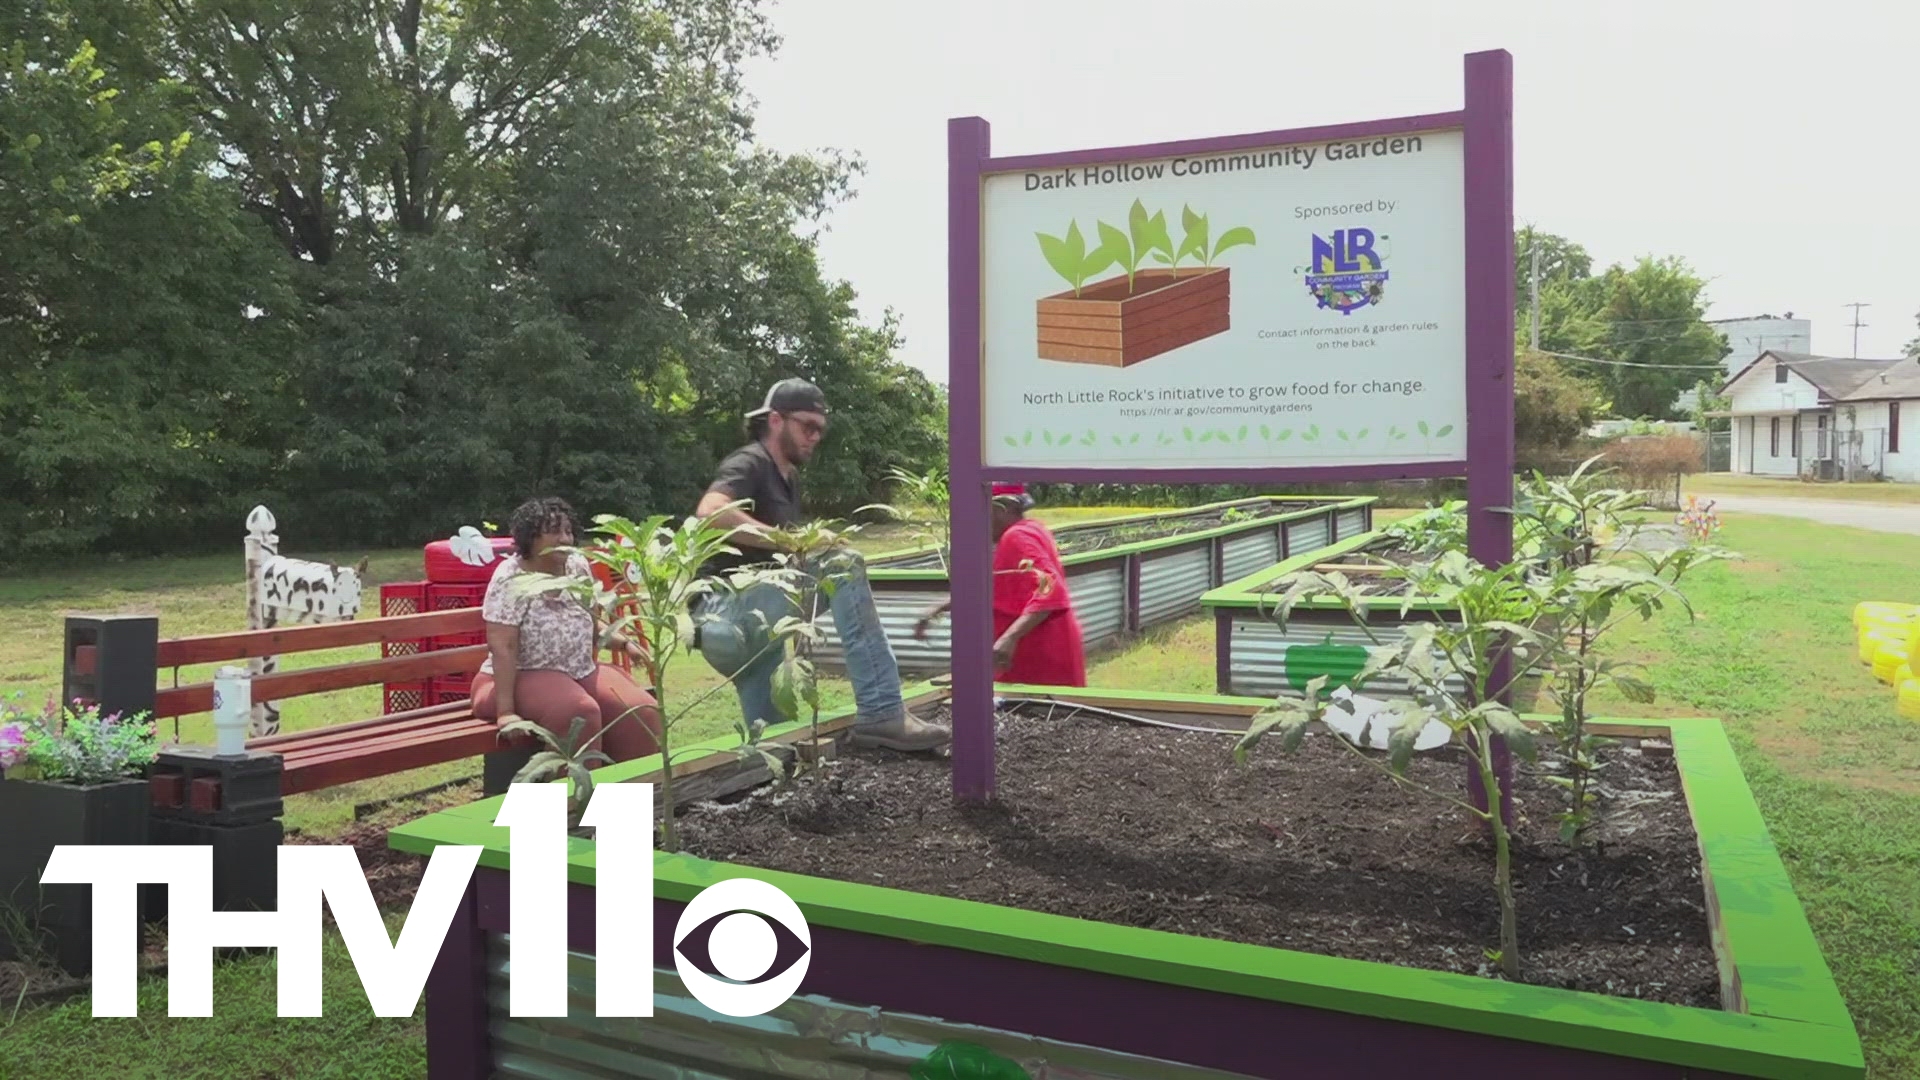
<point x="1125" y="573"/>
<point x="1143" y="312"/>
<point x="1151" y="910"/>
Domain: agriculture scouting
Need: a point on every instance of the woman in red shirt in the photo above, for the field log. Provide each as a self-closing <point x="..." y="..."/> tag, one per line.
<point x="1036" y="636"/>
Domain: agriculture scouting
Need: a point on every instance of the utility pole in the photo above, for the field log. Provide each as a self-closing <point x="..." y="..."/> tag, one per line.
<point x="1534" y="290"/>
<point x="1857" y="324"/>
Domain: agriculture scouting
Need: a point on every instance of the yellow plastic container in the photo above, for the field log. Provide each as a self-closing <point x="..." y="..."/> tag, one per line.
<point x="1903" y="675"/>
<point x="1872" y="640"/>
<point x="1910" y="699"/>
<point x="1887" y="661"/>
<point x="1866" y="610"/>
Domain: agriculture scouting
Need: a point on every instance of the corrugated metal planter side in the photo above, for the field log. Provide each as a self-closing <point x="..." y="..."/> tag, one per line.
<point x="1350" y="523"/>
<point x="810" y="1037"/>
<point x="899" y="610"/>
<point x="1309" y="534"/>
<point x="1100" y="600"/>
<point x="1263" y="660"/>
<point x="1242" y="555"/>
<point x="1171" y="585"/>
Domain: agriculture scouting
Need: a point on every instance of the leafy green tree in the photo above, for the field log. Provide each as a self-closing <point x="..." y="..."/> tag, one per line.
<point x="1561" y="261"/>
<point x="140" y="314"/>
<point x="1552" y="406"/>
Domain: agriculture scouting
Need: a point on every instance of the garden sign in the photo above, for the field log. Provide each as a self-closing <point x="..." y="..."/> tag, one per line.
<point x="1322" y="304"/>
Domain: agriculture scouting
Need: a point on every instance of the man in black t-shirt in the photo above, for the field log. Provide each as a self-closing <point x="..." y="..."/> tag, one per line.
<point x="732" y="626"/>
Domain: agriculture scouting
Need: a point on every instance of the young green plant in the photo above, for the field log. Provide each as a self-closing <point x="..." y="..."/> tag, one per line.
<point x="1589" y="597"/>
<point x="657" y="567"/>
<point x="1451" y="670"/>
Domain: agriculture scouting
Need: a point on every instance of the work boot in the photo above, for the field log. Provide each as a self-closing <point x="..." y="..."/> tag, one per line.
<point x="906" y="732"/>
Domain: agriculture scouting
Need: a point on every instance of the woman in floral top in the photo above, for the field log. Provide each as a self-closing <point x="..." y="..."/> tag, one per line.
<point x="541" y="663"/>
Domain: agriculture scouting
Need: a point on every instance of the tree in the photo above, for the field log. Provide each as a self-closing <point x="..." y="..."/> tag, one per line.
<point x="1650" y="320"/>
<point x="139" y="375"/>
<point x="1552" y="407"/>
<point x="1561" y="261"/>
<point x="1912" y="348"/>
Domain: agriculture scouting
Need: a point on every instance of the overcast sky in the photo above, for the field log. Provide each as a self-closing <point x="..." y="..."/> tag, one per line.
<point x="1774" y="152"/>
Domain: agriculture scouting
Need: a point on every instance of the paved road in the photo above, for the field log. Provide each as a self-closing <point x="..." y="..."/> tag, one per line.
<point x="1881" y="517"/>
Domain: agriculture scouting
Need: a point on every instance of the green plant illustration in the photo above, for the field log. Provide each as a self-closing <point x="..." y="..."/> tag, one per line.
<point x="1430" y="435"/>
<point x="1194" y="243"/>
<point x="1146" y="236"/>
<point x="1070" y="258"/>
<point x="1394" y="434"/>
<point x="1312" y="434"/>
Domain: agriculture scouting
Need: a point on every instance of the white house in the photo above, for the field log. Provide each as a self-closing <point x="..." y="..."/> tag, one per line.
<point x="1826" y="417"/>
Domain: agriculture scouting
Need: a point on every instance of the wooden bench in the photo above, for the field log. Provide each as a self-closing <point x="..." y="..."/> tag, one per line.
<point x="323" y="757"/>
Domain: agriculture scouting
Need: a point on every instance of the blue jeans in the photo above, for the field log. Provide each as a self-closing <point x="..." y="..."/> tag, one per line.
<point x="735" y="637"/>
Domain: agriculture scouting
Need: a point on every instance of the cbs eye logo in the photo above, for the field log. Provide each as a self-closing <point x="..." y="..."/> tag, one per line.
<point x="741" y="947"/>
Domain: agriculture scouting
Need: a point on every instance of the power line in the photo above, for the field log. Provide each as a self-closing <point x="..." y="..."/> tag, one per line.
<point x="1632" y="364"/>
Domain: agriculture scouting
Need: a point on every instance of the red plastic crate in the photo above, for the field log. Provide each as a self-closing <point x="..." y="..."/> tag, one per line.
<point x="449" y="689"/>
<point x="404" y="697"/>
<point x="451" y="597"/>
<point x="402" y="598"/>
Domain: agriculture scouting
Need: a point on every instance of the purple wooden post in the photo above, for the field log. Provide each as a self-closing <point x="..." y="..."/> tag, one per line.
<point x="457" y="998"/>
<point x="1489" y="277"/>
<point x="972" y="577"/>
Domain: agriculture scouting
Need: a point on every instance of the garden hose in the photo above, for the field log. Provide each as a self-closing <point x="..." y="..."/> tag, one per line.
<point x="1887" y="660"/>
<point x="1910" y="699"/>
<point x="1072" y="707"/>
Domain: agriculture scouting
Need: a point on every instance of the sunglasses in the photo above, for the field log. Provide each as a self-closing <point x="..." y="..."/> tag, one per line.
<point x="812" y="427"/>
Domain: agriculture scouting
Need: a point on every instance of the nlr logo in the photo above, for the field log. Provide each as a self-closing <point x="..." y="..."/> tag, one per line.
<point x="749" y="933"/>
<point x="1346" y="273"/>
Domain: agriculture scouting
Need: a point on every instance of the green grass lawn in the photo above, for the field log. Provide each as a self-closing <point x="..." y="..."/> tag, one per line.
<point x="1836" y="771"/>
<point x="1732" y="484"/>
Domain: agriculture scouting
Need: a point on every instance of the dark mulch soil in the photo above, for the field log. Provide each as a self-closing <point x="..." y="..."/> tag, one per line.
<point x="394" y="876"/>
<point x="1314" y="851"/>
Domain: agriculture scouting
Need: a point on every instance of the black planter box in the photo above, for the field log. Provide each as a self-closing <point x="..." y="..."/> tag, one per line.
<point x="35" y="817"/>
<point x="246" y="863"/>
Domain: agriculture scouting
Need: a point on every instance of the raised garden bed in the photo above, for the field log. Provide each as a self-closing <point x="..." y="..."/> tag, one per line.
<point x="1126" y="573"/>
<point x="1254" y="655"/>
<point x="1134" y="895"/>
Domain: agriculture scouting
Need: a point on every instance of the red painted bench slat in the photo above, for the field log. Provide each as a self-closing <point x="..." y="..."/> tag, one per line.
<point x="451" y="708"/>
<point x="198" y="697"/>
<point x="215" y="648"/>
<point x="361" y="763"/>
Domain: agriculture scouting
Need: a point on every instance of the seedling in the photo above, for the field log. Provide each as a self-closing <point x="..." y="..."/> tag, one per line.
<point x="1070" y="258"/>
<point x="1146" y="236"/>
<point x="1194" y="243"/>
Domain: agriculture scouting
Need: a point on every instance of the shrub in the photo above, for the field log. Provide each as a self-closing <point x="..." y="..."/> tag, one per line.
<point x="1654" y="463"/>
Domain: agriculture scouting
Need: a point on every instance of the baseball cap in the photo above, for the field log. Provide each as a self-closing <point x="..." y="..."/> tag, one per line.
<point x="791" y="396"/>
<point x="1014" y="493"/>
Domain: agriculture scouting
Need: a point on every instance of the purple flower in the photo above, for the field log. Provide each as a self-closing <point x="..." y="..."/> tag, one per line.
<point x="13" y="746"/>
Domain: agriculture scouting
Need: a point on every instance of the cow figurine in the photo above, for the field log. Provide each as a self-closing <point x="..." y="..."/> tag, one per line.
<point x="295" y="591"/>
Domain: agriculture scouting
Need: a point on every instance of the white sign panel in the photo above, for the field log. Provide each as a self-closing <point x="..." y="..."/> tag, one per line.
<point x="1299" y="305"/>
